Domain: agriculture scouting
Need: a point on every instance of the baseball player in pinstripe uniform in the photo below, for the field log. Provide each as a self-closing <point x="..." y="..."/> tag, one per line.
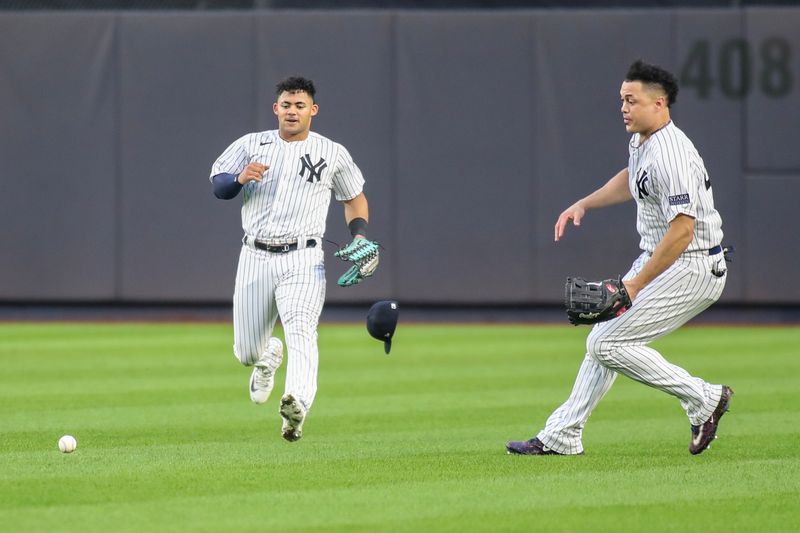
<point x="680" y="272"/>
<point x="287" y="176"/>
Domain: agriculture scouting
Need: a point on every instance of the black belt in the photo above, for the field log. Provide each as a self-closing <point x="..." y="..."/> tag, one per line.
<point x="281" y="248"/>
<point x="726" y="250"/>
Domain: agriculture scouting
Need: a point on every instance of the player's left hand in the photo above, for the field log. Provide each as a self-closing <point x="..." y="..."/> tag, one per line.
<point x="632" y="287"/>
<point x="590" y="302"/>
<point x="360" y="249"/>
<point x="364" y="254"/>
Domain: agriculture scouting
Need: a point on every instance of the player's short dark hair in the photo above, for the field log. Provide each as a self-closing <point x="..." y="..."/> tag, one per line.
<point x="654" y="75"/>
<point x="296" y="84"/>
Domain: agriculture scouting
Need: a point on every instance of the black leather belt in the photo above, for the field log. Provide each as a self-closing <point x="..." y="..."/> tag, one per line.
<point x="727" y="250"/>
<point x="281" y="248"/>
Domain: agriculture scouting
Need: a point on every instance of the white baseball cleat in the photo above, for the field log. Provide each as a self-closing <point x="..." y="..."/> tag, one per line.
<point x="293" y="414"/>
<point x="263" y="377"/>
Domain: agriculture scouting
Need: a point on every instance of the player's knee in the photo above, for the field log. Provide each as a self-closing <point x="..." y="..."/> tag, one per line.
<point x="306" y="329"/>
<point x="599" y="345"/>
<point x="301" y="335"/>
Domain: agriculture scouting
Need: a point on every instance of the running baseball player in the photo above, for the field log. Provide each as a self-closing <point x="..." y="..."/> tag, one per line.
<point x="287" y="176"/>
<point x="680" y="272"/>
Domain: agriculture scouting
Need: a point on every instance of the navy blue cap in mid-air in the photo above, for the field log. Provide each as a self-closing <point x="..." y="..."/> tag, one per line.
<point x="382" y="321"/>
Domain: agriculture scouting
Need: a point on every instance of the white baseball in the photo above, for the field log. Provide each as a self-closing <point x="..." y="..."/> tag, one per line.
<point x="67" y="444"/>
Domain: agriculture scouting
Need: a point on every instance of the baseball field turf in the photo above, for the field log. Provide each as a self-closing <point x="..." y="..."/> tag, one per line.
<point x="413" y="441"/>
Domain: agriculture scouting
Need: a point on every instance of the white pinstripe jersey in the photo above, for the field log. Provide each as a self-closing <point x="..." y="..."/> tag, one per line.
<point x="292" y="199"/>
<point x="667" y="177"/>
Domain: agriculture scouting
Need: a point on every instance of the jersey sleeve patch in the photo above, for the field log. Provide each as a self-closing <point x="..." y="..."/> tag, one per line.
<point x="679" y="199"/>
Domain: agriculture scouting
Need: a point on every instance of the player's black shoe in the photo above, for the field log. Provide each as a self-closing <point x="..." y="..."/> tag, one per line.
<point x="702" y="435"/>
<point x="530" y="447"/>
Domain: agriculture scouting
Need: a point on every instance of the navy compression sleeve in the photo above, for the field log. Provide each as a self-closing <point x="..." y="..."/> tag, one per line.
<point x="226" y="186"/>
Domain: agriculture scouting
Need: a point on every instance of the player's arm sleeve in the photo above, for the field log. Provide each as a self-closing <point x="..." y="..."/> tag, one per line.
<point x="348" y="182"/>
<point x="226" y="185"/>
<point x="232" y="160"/>
<point x="679" y="185"/>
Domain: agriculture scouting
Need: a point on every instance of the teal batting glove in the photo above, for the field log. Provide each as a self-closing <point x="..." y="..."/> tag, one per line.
<point x="361" y="249"/>
<point x="360" y="270"/>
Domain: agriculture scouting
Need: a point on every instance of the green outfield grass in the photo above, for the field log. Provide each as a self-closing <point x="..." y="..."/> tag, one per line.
<point x="169" y="441"/>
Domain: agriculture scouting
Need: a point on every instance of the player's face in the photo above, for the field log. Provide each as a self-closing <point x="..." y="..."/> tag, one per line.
<point x="643" y="108"/>
<point x="294" y="112"/>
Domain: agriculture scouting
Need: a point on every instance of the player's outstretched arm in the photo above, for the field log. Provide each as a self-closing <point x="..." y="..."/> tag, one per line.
<point x="615" y="191"/>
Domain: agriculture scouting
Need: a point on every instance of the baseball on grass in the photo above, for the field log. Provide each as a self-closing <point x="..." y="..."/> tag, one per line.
<point x="67" y="444"/>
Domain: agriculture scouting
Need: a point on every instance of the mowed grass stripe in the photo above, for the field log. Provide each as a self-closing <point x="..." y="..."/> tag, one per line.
<point x="412" y="441"/>
<point x="355" y="501"/>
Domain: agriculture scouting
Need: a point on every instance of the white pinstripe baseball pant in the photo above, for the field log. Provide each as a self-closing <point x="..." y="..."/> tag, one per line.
<point x="290" y="285"/>
<point x="681" y="292"/>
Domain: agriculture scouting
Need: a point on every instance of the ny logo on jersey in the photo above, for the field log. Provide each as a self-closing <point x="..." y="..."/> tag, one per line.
<point x="641" y="182"/>
<point x="314" y="171"/>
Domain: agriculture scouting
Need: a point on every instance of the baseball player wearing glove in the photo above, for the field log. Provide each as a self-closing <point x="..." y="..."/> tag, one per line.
<point x="680" y="272"/>
<point x="287" y="177"/>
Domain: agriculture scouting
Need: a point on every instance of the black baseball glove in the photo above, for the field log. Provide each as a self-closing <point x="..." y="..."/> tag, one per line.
<point x="589" y="302"/>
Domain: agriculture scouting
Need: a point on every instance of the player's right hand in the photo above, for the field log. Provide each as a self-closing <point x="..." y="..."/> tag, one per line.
<point x="252" y="172"/>
<point x="574" y="212"/>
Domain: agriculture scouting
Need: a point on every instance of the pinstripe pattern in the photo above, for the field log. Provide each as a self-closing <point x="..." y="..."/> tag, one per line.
<point x="291" y="286"/>
<point x="254" y="309"/>
<point x="290" y="204"/>
<point x="285" y="205"/>
<point x="620" y="346"/>
<point x="686" y="288"/>
<point x="673" y="168"/>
